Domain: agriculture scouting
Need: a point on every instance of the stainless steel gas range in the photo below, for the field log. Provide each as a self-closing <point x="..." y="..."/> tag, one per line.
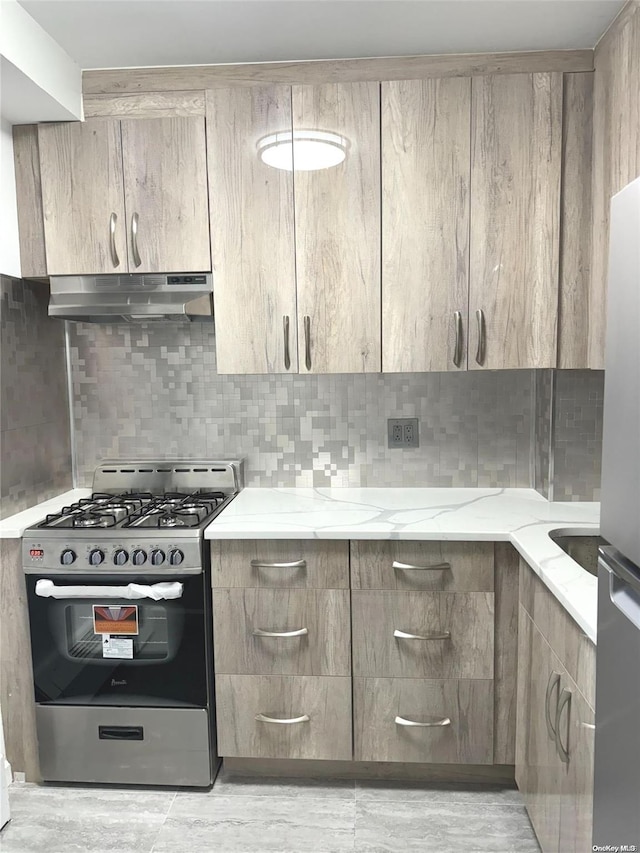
<point x="119" y="592"/>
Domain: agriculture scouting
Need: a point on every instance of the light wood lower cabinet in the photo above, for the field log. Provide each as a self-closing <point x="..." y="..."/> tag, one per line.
<point x="423" y="634"/>
<point x="427" y="566"/>
<point x="314" y="627"/>
<point x="280" y="563"/>
<point x="555" y="727"/>
<point x="391" y="713"/>
<point x="284" y="717"/>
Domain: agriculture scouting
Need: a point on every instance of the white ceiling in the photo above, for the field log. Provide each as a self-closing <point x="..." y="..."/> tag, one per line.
<point x="121" y="33"/>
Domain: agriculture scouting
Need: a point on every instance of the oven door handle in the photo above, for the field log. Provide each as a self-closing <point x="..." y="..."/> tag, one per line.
<point x="156" y="591"/>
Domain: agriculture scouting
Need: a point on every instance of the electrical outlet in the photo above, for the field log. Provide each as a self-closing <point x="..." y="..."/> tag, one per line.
<point x="403" y="432"/>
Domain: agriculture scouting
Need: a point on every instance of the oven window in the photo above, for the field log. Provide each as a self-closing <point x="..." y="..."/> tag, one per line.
<point x="158" y="639"/>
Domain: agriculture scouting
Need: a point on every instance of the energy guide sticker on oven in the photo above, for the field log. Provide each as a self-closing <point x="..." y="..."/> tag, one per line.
<point x="108" y="619"/>
<point x="120" y="648"/>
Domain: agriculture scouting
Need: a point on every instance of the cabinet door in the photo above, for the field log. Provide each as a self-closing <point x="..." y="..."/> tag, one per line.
<point x="539" y="771"/>
<point x="426" y="566"/>
<point x="576" y="735"/>
<point x="516" y="138"/>
<point x="270" y="716"/>
<point x="337" y="212"/>
<point x="446" y="721"/>
<point x="425" y="223"/>
<point x="165" y="177"/>
<point x="252" y="244"/>
<point x="423" y="634"/>
<point x="280" y="563"/>
<point x="314" y="628"/>
<point x="83" y="197"/>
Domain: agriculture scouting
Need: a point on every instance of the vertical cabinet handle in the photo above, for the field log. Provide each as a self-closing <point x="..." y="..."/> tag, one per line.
<point x="552" y="684"/>
<point x="564" y="702"/>
<point x="480" y="351"/>
<point x="457" y="353"/>
<point x="287" y="354"/>
<point x="134" y="240"/>
<point x="115" y="260"/>
<point x="307" y="341"/>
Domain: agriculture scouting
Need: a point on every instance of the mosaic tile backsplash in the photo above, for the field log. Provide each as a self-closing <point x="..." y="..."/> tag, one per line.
<point x="577" y="434"/>
<point x="35" y="448"/>
<point x="145" y="390"/>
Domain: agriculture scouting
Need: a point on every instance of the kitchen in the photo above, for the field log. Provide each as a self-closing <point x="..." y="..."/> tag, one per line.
<point x="303" y="369"/>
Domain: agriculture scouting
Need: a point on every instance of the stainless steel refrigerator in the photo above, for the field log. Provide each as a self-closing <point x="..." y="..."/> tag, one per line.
<point x="616" y="817"/>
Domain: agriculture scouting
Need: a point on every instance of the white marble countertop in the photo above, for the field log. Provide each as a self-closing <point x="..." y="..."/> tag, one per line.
<point x="520" y="516"/>
<point x="14" y="526"/>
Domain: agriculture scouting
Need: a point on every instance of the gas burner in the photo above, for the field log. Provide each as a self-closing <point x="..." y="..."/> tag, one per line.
<point x="170" y="520"/>
<point x="180" y="518"/>
<point x="93" y="518"/>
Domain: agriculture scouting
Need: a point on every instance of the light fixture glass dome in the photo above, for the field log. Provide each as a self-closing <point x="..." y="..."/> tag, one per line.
<point x="314" y="149"/>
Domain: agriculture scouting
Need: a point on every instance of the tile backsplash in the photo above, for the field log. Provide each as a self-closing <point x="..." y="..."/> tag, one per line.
<point x="568" y="434"/>
<point x="152" y="389"/>
<point x="34" y="410"/>
<point x="577" y="434"/>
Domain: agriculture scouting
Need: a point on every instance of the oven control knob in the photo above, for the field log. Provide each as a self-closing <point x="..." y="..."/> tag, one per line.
<point x="67" y="557"/>
<point x="96" y="557"/>
<point x="120" y="557"/>
<point x="176" y="557"/>
<point x="157" y="557"/>
<point x="139" y="557"/>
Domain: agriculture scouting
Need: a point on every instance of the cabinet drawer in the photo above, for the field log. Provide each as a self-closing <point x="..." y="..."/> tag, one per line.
<point x="280" y="563"/>
<point x="449" y="566"/>
<point x="326" y="702"/>
<point x="467" y="617"/>
<point x="325" y="648"/>
<point x="381" y="705"/>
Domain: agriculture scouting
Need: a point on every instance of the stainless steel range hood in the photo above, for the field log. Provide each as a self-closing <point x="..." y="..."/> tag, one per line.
<point x="132" y="298"/>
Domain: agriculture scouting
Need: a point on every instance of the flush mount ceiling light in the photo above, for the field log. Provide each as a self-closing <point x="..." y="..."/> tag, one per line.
<point x="314" y="149"/>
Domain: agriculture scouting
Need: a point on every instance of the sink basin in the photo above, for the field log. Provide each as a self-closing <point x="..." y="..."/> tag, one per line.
<point x="583" y="548"/>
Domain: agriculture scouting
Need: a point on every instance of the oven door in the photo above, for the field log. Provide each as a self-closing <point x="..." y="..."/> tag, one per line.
<point x="96" y="640"/>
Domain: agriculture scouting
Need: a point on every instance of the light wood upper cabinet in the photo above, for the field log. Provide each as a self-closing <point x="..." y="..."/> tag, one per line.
<point x="104" y="180"/>
<point x="83" y="197"/>
<point x="337" y="215"/>
<point x="425" y="223"/>
<point x="252" y="239"/>
<point x="165" y="179"/>
<point x="516" y="140"/>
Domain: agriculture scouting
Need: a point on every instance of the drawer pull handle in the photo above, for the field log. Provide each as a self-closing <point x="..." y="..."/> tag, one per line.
<point x="436" y="567"/>
<point x="436" y="722"/>
<point x="263" y="718"/>
<point x="403" y="635"/>
<point x="300" y="632"/>
<point x="295" y="564"/>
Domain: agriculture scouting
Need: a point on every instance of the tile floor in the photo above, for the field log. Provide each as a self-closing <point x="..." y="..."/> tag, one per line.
<point x="241" y="815"/>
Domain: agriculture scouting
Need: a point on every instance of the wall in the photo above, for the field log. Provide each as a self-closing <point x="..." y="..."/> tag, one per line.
<point x="145" y="390"/>
<point x="616" y="150"/>
<point x="34" y="417"/>
<point x="568" y="435"/>
<point x="9" y="245"/>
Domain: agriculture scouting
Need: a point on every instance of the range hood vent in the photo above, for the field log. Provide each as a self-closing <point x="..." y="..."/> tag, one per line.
<point x="132" y="298"/>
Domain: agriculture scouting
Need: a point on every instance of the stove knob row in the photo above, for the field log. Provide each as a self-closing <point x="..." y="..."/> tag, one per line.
<point x="120" y="557"/>
<point x="96" y="557"/>
<point x="139" y="557"/>
<point x="67" y="557"/>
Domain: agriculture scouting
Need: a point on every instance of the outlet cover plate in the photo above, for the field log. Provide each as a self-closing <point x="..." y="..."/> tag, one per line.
<point x="403" y="432"/>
